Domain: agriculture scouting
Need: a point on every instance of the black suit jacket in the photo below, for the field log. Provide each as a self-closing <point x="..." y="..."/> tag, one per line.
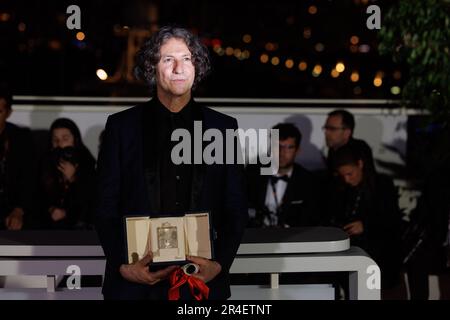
<point x="20" y="171"/>
<point x="300" y="200"/>
<point x="431" y="216"/>
<point x="379" y="212"/>
<point x="125" y="188"/>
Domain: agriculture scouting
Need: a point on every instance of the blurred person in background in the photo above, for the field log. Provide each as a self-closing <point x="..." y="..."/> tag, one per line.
<point x="67" y="179"/>
<point x="339" y="128"/>
<point x="289" y="198"/>
<point x="427" y="242"/>
<point x="17" y="174"/>
<point x="365" y="205"/>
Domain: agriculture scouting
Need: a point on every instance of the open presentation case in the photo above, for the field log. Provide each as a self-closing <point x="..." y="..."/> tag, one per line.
<point x="170" y="238"/>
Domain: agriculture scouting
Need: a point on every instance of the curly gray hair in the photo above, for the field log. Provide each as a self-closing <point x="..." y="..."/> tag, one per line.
<point x="149" y="55"/>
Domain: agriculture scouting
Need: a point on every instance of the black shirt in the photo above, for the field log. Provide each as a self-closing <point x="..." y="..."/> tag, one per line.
<point x="175" y="180"/>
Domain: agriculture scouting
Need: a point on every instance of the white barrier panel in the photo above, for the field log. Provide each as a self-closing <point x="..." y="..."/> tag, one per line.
<point x="384" y="129"/>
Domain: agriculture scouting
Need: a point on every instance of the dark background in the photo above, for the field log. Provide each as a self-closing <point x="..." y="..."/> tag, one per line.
<point x="39" y="55"/>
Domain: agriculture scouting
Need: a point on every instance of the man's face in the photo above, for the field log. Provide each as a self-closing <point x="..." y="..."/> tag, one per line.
<point x="288" y="151"/>
<point x="4" y="113"/>
<point x="175" y="71"/>
<point x="335" y="134"/>
<point x="351" y="174"/>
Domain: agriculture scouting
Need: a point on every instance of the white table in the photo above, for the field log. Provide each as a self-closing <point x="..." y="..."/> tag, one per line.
<point x="50" y="254"/>
<point x="318" y="249"/>
<point x="271" y="251"/>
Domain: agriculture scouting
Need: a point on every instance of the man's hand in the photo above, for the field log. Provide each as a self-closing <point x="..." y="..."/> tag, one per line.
<point x="68" y="170"/>
<point x="354" y="228"/>
<point x="14" y="221"/>
<point x="208" y="269"/>
<point x="139" y="272"/>
<point x="57" y="213"/>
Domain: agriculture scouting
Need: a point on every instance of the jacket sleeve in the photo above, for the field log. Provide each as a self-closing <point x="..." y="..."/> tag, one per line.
<point x="107" y="213"/>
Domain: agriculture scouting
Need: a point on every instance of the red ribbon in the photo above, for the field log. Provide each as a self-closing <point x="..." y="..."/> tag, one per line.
<point x="177" y="278"/>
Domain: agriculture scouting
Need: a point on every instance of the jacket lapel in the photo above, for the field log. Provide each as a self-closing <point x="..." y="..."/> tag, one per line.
<point x="291" y="187"/>
<point x="151" y="163"/>
<point x="262" y="186"/>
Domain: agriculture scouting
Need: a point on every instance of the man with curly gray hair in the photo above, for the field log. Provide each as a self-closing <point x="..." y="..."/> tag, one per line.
<point x="138" y="177"/>
<point x="149" y="55"/>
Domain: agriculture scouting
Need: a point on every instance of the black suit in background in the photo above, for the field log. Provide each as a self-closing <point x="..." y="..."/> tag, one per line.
<point x="129" y="185"/>
<point x="299" y="207"/>
<point x="432" y="215"/>
<point x="18" y="172"/>
<point x="375" y="203"/>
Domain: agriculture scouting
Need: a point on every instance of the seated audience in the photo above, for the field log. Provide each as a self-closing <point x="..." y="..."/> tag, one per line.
<point x="365" y="205"/>
<point x="67" y="179"/>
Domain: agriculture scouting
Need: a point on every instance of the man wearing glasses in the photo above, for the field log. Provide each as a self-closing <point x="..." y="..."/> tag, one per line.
<point x="338" y="131"/>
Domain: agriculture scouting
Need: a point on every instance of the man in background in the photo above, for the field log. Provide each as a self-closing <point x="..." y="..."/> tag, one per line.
<point x="289" y="198"/>
<point x="339" y="128"/>
<point x="16" y="168"/>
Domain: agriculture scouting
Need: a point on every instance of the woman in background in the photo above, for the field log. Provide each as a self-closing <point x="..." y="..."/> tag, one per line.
<point x="67" y="179"/>
<point x="365" y="205"/>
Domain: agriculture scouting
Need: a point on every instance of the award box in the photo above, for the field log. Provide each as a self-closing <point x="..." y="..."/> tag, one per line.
<point x="170" y="238"/>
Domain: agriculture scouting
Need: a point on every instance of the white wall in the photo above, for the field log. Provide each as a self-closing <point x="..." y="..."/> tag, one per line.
<point x="379" y="127"/>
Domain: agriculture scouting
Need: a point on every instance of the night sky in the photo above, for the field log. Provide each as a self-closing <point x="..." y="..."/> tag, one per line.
<point x="39" y="55"/>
